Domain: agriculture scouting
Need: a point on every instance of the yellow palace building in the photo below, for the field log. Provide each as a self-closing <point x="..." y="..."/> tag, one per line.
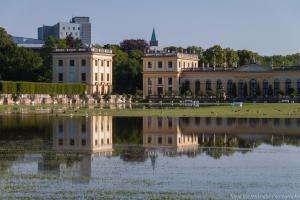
<point x="91" y="66"/>
<point x="173" y="73"/>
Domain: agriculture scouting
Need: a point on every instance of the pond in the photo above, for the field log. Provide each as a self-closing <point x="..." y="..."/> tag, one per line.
<point x="109" y="157"/>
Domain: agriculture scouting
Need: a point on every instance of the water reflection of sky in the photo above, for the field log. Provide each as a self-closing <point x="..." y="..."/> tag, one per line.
<point x="210" y="157"/>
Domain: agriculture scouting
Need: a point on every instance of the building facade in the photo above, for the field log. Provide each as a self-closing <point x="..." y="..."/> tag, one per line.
<point x="91" y="66"/>
<point x="78" y="28"/>
<point x="162" y="71"/>
<point x="168" y="73"/>
<point x="251" y="80"/>
<point x="86" y="29"/>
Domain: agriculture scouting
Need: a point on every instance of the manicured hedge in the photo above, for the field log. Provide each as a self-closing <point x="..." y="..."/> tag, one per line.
<point x="10" y="87"/>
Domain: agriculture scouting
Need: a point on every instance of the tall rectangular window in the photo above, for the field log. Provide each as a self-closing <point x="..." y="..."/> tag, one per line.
<point x="83" y="128"/>
<point x="149" y="64"/>
<point x="83" y="76"/>
<point x="170" y="122"/>
<point x="96" y="76"/>
<point x="159" y="90"/>
<point x="149" y="90"/>
<point x="149" y="81"/>
<point x="102" y="77"/>
<point x="60" y="128"/>
<point x="170" y="81"/>
<point x="60" y="77"/>
<point x="170" y="140"/>
<point x="102" y="63"/>
<point x="96" y="62"/>
<point x="107" y="77"/>
<point x="160" y="65"/>
<point x="72" y="63"/>
<point x="60" y="63"/>
<point x="159" y="81"/>
<point x="83" y="62"/>
<point x="170" y="64"/>
<point x="107" y="63"/>
<point x="169" y="90"/>
<point x="159" y="122"/>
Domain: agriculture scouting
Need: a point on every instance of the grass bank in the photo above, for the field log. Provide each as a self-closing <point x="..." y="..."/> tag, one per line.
<point x="260" y="110"/>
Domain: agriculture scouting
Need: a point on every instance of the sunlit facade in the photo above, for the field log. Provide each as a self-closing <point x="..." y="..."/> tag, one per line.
<point x="251" y="80"/>
<point x="91" y="66"/>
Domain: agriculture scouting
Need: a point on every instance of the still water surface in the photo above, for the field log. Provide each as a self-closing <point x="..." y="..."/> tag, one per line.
<point x="148" y="157"/>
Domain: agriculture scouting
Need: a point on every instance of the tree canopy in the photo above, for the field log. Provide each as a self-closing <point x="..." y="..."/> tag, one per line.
<point x="17" y="63"/>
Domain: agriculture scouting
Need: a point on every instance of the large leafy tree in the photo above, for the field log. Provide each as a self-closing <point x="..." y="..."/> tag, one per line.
<point x="232" y="57"/>
<point x="132" y="44"/>
<point x="246" y="57"/>
<point x="17" y="63"/>
<point x="215" y="56"/>
<point x="45" y="72"/>
<point x="127" y="69"/>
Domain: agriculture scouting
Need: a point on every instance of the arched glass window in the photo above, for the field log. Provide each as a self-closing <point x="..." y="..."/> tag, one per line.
<point x="288" y="86"/>
<point x="253" y="88"/>
<point x="265" y="87"/>
<point x="276" y="87"/>
<point x="229" y="87"/>
<point x="298" y="87"/>
<point x="197" y="88"/>
<point x="208" y="85"/>
<point x="219" y="85"/>
<point x="241" y="88"/>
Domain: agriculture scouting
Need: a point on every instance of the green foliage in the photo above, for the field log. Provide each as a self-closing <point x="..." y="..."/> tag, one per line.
<point x="25" y="87"/>
<point x="127" y="68"/>
<point x="215" y="56"/>
<point x="72" y="42"/>
<point x="188" y="93"/>
<point x="9" y="87"/>
<point x="17" y="63"/>
<point x="132" y="44"/>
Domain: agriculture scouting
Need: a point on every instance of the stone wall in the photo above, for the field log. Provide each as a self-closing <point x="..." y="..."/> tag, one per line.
<point x="33" y="99"/>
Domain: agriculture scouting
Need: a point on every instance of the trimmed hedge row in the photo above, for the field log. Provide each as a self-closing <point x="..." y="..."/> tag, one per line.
<point x="10" y="87"/>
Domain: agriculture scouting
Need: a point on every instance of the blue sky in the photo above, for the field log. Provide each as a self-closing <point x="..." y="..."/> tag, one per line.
<point x="266" y="26"/>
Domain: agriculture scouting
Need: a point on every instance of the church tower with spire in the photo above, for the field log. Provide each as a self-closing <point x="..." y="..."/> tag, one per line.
<point x="153" y="41"/>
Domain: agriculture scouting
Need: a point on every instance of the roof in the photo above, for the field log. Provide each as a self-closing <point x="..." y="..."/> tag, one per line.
<point x="28" y="41"/>
<point x="154" y="54"/>
<point x="153" y="37"/>
<point x="254" y="68"/>
<point x="153" y="41"/>
<point x="83" y="50"/>
<point x="250" y="68"/>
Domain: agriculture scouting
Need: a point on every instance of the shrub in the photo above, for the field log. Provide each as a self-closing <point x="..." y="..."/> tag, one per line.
<point x="9" y="87"/>
<point x="25" y="88"/>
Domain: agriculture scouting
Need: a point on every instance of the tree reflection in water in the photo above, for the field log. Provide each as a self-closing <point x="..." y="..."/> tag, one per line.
<point x="72" y="143"/>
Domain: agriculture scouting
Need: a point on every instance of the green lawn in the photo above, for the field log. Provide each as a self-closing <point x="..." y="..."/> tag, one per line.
<point x="263" y="110"/>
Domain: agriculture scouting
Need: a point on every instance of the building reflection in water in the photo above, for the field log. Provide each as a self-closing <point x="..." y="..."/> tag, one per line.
<point x="177" y="136"/>
<point x="75" y="142"/>
<point x="164" y="135"/>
